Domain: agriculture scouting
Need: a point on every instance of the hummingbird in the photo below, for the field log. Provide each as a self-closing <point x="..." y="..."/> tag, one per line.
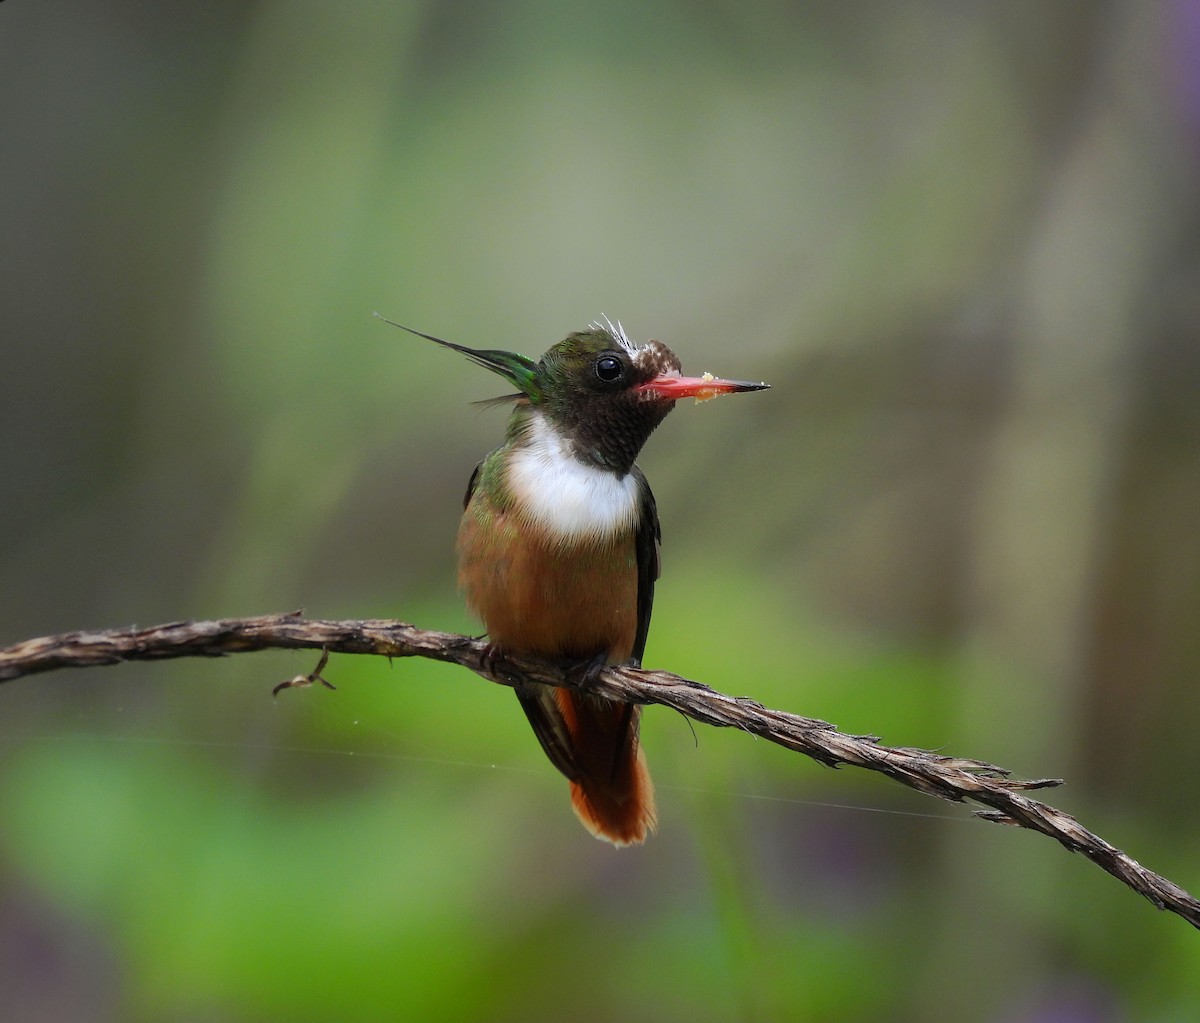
<point x="558" y="547"/>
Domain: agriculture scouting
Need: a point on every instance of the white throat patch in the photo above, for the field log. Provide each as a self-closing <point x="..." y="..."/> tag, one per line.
<point x="564" y="496"/>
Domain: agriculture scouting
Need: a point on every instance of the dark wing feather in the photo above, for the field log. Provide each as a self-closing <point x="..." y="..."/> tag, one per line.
<point x="546" y="719"/>
<point x="649" y="540"/>
<point x="471" y="486"/>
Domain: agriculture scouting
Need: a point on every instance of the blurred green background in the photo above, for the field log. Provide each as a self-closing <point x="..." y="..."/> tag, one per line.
<point x="962" y="239"/>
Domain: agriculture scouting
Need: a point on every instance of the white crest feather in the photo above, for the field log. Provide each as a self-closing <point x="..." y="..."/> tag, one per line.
<point x="617" y="332"/>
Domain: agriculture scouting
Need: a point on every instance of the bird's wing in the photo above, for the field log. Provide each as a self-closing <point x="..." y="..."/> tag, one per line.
<point x="542" y="708"/>
<point x="649" y="563"/>
<point x="471" y="485"/>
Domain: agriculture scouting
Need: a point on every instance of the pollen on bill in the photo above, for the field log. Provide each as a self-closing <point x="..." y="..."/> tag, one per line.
<point x="706" y="393"/>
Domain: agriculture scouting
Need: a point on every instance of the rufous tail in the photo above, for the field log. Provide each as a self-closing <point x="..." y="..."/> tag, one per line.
<point x="612" y="796"/>
<point x="594" y="742"/>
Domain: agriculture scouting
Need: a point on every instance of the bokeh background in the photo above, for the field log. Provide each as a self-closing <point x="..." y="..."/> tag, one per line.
<point x="962" y="239"/>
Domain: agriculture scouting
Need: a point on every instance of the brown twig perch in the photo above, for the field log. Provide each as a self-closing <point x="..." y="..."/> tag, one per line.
<point x="950" y="778"/>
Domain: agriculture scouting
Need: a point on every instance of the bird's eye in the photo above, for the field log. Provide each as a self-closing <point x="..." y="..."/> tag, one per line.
<point x="608" y="368"/>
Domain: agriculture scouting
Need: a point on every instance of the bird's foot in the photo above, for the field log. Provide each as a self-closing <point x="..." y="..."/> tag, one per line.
<point x="584" y="674"/>
<point x="493" y="662"/>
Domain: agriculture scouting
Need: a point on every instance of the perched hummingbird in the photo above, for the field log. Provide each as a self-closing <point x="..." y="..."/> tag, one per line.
<point x="558" y="547"/>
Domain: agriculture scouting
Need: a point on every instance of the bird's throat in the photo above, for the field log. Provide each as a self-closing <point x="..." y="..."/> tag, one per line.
<point x="562" y="495"/>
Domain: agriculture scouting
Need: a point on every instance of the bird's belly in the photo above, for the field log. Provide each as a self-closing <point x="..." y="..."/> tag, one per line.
<point x="538" y="596"/>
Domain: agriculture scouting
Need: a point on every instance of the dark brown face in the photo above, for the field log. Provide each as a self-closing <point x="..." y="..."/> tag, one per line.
<point x="589" y="386"/>
<point x="598" y="389"/>
<point x="607" y="394"/>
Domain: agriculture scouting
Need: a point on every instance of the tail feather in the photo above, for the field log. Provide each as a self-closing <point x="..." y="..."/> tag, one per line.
<point x="621" y="817"/>
<point x="612" y="796"/>
<point x="611" y="791"/>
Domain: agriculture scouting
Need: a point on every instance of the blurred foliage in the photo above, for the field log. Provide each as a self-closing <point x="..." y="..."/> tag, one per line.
<point x="963" y="242"/>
